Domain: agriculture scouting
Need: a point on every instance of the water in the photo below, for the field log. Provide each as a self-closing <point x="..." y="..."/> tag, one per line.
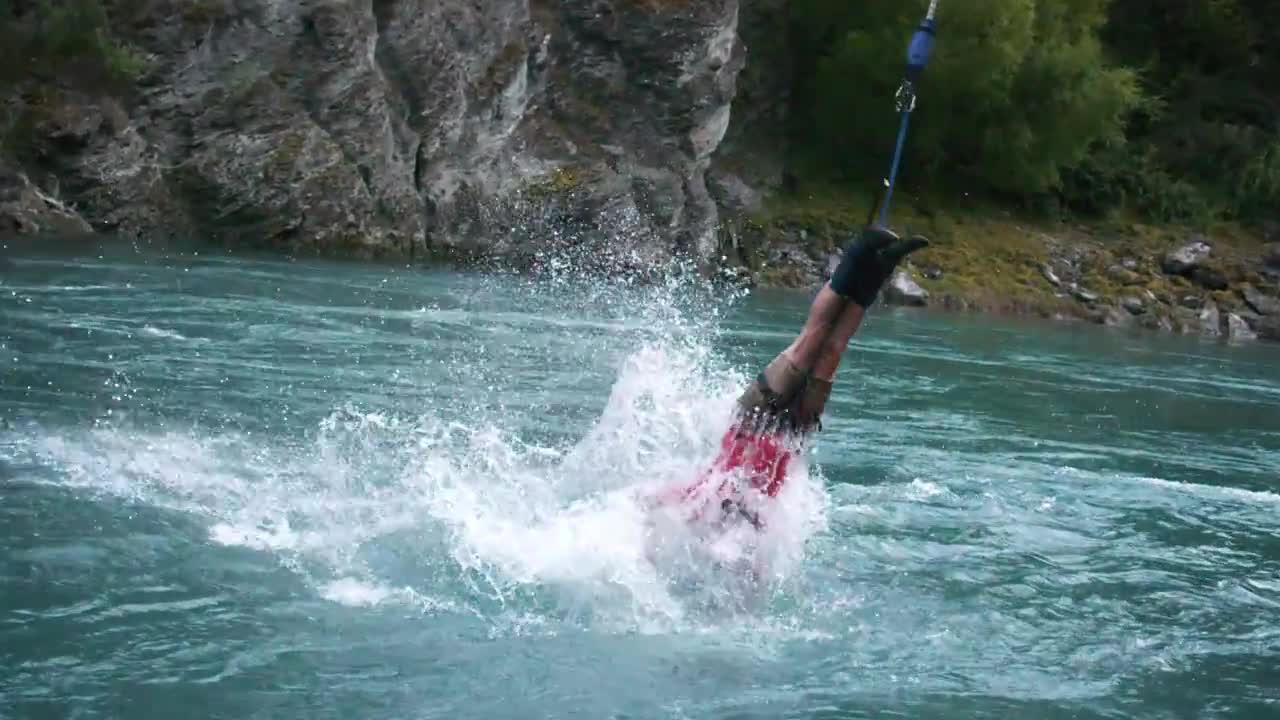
<point x="243" y="487"/>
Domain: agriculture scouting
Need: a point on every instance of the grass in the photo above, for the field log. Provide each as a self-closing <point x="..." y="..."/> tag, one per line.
<point x="991" y="259"/>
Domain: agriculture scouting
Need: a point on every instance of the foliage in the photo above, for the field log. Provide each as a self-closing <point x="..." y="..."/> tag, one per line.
<point x="63" y="40"/>
<point x="1018" y="89"/>
<point x="1166" y="108"/>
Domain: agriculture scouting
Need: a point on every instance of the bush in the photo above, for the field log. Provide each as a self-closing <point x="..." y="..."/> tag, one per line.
<point x="65" y="40"/>
<point x="1018" y="90"/>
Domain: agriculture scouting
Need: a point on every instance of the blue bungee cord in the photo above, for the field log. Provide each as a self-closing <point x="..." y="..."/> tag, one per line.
<point x="917" y="58"/>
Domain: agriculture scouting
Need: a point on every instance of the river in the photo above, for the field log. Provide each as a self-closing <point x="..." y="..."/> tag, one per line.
<point x="247" y="487"/>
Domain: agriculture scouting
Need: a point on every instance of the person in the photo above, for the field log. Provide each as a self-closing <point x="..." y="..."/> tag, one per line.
<point x="782" y="408"/>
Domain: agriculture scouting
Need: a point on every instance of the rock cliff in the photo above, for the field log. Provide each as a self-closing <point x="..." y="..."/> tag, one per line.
<point x="396" y="127"/>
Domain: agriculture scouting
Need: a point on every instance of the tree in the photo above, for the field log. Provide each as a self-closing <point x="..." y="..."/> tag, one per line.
<point x="1018" y="89"/>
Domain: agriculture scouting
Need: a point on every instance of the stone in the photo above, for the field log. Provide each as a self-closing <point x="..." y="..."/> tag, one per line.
<point x="1115" y="317"/>
<point x="1123" y="275"/>
<point x="1083" y="295"/>
<point x="1194" y="302"/>
<point x="1271" y="255"/>
<point x="903" y="290"/>
<point x="833" y="262"/>
<point x="1261" y="304"/>
<point x="1129" y="263"/>
<point x="27" y="210"/>
<point x="1156" y="322"/>
<point x="1210" y="278"/>
<point x="732" y="193"/>
<point x="1182" y="260"/>
<point x="931" y="272"/>
<point x="1269" y="328"/>
<point x="1210" y="320"/>
<point x="1238" y="329"/>
<point x="1050" y="275"/>
<point x="1134" y="305"/>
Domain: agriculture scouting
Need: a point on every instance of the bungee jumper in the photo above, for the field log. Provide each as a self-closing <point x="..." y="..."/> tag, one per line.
<point x="781" y="409"/>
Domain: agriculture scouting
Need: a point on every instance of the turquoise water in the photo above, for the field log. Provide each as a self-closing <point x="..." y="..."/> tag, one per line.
<point x="245" y="487"/>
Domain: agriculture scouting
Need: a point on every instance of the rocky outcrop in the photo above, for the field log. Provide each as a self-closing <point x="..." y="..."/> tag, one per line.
<point x="902" y="289"/>
<point x="406" y="127"/>
<point x="1185" y="259"/>
<point x="1237" y="329"/>
<point x="1271" y="255"/>
<point x="26" y="210"/>
<point x="1210" y="320"/>
<point x="1261" y="304"/>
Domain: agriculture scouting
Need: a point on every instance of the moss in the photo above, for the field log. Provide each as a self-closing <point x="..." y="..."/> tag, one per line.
<point x="284" y="159"/>
<point x="560" y="181"/>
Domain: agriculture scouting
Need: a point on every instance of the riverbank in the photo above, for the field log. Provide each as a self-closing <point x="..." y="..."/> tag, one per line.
<point x="1220" y="281"/>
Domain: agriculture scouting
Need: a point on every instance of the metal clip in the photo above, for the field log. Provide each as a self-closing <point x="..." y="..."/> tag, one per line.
<point x="905" y="98"/>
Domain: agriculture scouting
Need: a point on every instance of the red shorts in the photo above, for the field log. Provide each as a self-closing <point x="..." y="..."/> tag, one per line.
<point x="747" y="462"/>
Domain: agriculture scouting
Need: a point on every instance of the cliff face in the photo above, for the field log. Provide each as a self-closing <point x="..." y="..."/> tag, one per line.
<point x="404" y="127"/>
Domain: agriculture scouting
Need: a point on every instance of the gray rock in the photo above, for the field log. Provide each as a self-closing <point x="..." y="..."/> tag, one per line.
<point x="1238" y="329"/>
<point x="1156" y="322"/>
<point x="1251" y="318"/>
<point x="1115" y="317"/>
<point x="1186" y="320"/>
<point x="931" y="272"/>
<point x="1194" y="302"/>
<point x="1210" y="320"/>
<point x="412" y="126"/>
<point x="1129" y="263"/>
<point x="732" y="193"/>
<point x="903" y="290"/>
<point x="1210" y="278"/>
<point x="833" y="262"/>
<point x="1271" y="255"/>
<point x="27" y="210"/>
<point x="1269" y="328"/>
<point x="1134" y="305"/>
<point x="1260" y="303"/>
<point x="1182" y="260"/>
<point x="1050" y="275"/>
<point x="1084" y="295"/>
<point x="1123" y="275"/>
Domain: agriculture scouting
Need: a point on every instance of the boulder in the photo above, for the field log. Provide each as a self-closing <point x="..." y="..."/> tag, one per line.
<point x="1271" y="255"/>
<point x="1123" y="275"/>
<point x="1182" y="260"/>
<point x="1083" y="295"/>
<point x="27" y="210"/>
<point x="1269" y="328"/>
<point x="1115" y="317"/>
<point x="1238" y="329"/>
<point x="1210" y="278"/>
<point x="931" y="272"/>
<point x="1134" y="305"/>
<point x="1156" y="322"/>
<point x="903" y="290"/>
<point x="1261" y="304"/>
<point x="1194" y="302"/>
<point x="731" y="192"/>
<point x="1050" y="275"/>
<point x="1210" y="320"/>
